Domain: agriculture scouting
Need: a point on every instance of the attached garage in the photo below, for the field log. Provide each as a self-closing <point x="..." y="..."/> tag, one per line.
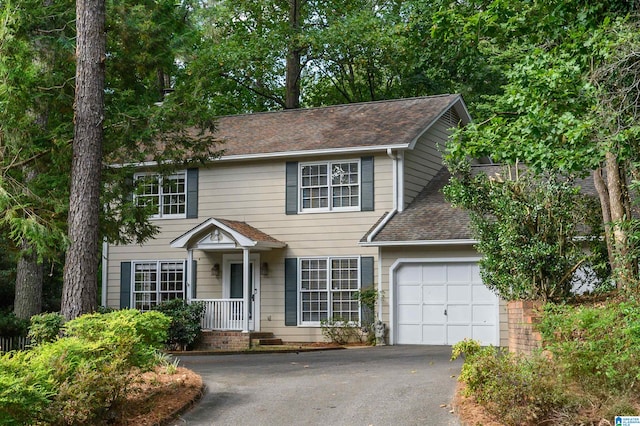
<point x="441" y="303"/>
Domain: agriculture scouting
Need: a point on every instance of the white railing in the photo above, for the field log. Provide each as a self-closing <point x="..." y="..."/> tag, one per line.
<point x="222" y="314"/>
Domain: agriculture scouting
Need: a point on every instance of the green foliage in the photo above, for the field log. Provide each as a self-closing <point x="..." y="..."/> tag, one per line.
<point x="11" y="326"/>
<point x="597" y="346"/>
<point x="184" y="330"/>
<point x="80" y="378"/>
<point x="45" y="327"/>
<point x="516" y="389"/>
<point x="527" y="228"/>
<point x="341" y="331"/>
<point x="133" y="334"/>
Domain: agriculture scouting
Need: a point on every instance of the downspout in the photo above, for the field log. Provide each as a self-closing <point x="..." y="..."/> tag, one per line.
<point x="400" y="182"/>
<point x="105" y="272"/>
<point x="394" y="168"/>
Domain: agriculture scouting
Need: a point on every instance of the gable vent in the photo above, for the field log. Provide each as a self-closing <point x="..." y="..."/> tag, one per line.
<point x="451" y="118"/>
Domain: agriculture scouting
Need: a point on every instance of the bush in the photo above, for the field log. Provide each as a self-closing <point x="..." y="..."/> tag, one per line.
<point x="12" y="326"/>
<point x="80" y="378"/>
<point x="45" y="328"/>
<point x="516" y="389"/>
<point x="184" y="330"/>
<point x="598" y="346"/>
<point x="134" y="335"/>
<point x="340" y="331"/>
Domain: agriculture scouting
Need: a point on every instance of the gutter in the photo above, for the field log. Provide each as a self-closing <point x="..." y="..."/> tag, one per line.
<point x="460" y="242"/>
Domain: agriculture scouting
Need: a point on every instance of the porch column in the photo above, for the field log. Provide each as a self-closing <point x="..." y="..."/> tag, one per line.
<point x="190" y="275"/>
<point x="246" y="264"/>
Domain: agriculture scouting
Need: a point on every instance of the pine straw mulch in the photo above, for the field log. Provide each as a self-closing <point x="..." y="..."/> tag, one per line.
<point x="157" y="397"/>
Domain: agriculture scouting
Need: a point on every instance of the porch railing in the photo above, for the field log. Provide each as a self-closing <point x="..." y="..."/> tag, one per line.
<point x="222" y="314"/>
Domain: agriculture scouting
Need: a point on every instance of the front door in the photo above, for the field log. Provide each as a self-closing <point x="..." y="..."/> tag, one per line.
<point x="236" y="289"/>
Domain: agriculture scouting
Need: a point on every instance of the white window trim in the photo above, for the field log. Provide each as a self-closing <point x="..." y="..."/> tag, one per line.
<point x="302" y="323"/>
<point x="158" y="269"/>
<point x="159" y="215"/>
<point x="330" y="208"/>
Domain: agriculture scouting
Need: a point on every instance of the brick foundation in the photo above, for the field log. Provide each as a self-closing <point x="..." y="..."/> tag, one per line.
<point x="224" y="340"/>
<point x="523" y="315"/>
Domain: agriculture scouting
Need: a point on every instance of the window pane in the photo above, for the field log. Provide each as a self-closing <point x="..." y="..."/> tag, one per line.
<point x="157" y="281"/>
<point x="344" y="185"/>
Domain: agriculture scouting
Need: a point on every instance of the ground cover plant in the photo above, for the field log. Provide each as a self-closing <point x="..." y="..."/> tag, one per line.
<point x="586" y="372"/>
<point x="82" y="377"/>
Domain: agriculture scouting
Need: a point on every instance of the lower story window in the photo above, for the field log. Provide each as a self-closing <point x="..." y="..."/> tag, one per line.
<point x="327" y="289"/>
<point x="157" y="281"/>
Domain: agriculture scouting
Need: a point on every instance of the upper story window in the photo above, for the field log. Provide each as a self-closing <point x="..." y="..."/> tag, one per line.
<point x="167" y="193"/>
<point x="330" y="185"/>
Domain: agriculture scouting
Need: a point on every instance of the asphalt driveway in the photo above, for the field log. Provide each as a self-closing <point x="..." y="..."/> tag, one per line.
<point x="388" y="385"/>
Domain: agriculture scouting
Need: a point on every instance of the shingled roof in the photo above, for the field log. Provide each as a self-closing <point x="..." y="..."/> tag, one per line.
<point x="430" y="218"/>
<point x="380" y="124"/>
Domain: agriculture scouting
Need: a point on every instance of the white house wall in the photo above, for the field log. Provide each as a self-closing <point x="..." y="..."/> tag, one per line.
<point x="254" y="192"/>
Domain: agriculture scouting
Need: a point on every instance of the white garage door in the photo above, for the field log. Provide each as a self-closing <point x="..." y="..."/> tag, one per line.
<point x="443" y="303"/>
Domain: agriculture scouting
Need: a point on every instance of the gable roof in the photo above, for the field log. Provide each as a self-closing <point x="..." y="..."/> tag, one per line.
<point x="236" y="234"/>
<point x="342" y="128"/>
<point x="431" y="220"/>
<point x="428" y="219"/>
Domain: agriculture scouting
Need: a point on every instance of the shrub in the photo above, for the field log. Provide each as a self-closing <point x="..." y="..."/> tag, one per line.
<point x="129" y="333"/>
<point x="80" y="378"/>
<point x="45" y="327"/>
<point x="516" y="389"/>
<point x="598" y="346"/>
<point x="12" y="326"/>
<point x="184" y="330"/>
<point x="340" y="331"/>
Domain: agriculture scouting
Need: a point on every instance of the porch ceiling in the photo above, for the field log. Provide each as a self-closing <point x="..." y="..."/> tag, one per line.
<point x="224" y="234"/>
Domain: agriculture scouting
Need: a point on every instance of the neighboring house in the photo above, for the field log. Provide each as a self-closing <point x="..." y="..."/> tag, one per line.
<point x="306" y="207"/>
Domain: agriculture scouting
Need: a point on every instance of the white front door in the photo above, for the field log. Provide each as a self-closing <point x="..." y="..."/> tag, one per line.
<point x="233" y="287"/>
<point x="442" y="303"/>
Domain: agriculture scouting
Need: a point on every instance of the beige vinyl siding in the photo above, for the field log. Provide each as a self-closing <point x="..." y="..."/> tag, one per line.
<point x="254" y="192"/>
<point x="425" y="160"/>
<point x="390" y="255"/>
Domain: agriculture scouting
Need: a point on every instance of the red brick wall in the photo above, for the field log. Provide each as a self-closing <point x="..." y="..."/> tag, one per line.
<point x="224" y="340"/>
<point x="523" y="314"/>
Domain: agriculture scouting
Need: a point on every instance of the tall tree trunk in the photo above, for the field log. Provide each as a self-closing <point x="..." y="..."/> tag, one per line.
<point x="29" y="277"/>
<point x="79" y="293"/>
<point x="292" y="93"/>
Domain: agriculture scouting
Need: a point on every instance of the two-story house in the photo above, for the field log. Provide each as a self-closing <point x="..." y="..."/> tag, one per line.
<point x="306" y="207"/>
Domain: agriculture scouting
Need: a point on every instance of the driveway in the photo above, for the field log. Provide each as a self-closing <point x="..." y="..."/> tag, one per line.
<point x="384" y="385"/>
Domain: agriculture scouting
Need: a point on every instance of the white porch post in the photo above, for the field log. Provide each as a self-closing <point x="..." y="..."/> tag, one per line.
<point x="190" y="276"/>
<point x="246" y="264"/>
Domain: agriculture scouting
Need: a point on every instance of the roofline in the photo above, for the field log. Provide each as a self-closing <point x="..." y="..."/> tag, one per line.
<point x="458" y="242"/>
<point x="281" y="154"/>
<point x="457" y="101"/>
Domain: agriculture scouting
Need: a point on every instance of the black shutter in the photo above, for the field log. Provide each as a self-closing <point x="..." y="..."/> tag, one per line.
<point x="291" y="188"/>
<point x="291" y="291"/>
<point x="125" y="285"/>
<point x="366" y="164"/>
<point x="366" y="282"/>
<point x="192" y="193"/>
<point x="194" y="279"/>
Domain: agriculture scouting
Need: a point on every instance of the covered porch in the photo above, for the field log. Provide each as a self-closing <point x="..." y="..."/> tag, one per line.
<point x="232" y="251"/>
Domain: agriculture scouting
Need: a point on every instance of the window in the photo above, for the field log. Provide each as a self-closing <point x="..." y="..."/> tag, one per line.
<point x="330" y="186"/>
<point x="327" y="287"/>
<point x="157" y="281"/>
<point x="168" y="194"/>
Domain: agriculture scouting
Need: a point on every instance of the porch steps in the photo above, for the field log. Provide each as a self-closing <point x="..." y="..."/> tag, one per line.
<point x="264" y="339"/>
